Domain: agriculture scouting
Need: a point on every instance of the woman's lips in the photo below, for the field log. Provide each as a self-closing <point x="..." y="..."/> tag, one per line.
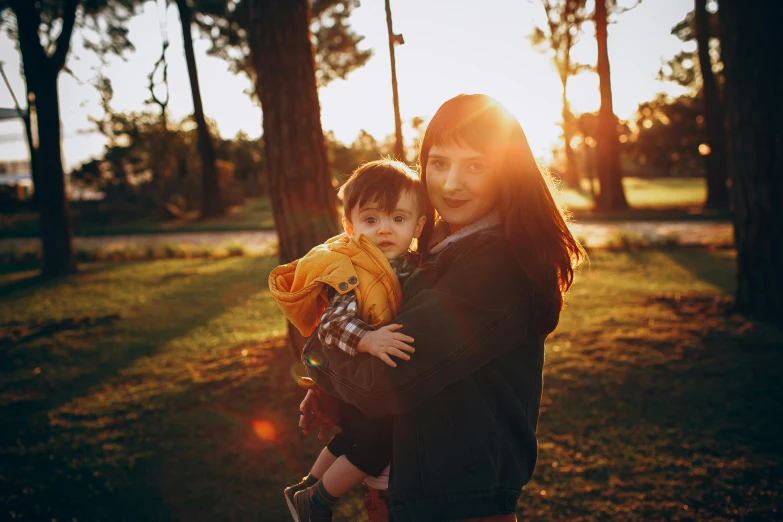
<point x="454" y="203"/>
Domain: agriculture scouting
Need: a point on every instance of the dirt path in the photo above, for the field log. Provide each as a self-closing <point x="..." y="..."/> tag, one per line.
<point x="593" y="234"/>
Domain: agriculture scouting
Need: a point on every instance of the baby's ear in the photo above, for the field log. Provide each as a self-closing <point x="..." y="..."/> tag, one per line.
<point x="419" y="226"/>
<point x="348" y="227"/>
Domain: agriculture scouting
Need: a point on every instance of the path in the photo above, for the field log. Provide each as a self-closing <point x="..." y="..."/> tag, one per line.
<point x="593" y="234"/>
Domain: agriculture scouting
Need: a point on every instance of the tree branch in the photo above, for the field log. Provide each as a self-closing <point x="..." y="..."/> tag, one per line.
<point x="27" y="22"/>
<point x="623" y="10"/>
<point x="64" y="40"/>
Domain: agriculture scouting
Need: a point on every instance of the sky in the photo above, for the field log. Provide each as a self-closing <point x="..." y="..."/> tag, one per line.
<point x="451" y="47"/>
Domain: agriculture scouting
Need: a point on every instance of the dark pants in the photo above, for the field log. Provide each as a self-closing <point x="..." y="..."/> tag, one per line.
<point x="366" y="443"/>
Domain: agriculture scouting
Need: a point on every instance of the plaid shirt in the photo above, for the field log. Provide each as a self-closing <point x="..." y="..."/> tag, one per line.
<point x="340" y="326"/>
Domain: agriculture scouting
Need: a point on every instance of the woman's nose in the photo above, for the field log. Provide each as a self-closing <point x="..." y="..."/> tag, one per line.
<point x="452" y="182"/>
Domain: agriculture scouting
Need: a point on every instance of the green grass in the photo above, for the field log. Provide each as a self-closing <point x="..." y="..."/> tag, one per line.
<point x="649" y="198"/>
<point x="130" y="392"/>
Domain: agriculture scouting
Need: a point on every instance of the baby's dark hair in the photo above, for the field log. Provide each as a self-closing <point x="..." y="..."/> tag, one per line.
<point x="383" y="182"/>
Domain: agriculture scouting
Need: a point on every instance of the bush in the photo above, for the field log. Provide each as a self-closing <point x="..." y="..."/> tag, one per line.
<point x="236" y="250"/>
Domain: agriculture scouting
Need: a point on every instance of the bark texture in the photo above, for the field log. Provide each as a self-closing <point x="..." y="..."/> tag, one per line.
<point x="754" y="110"/>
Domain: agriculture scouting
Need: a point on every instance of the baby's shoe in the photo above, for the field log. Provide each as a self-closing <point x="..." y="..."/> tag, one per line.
<point x="290" y="491"/>
<point x="302" y="509"/>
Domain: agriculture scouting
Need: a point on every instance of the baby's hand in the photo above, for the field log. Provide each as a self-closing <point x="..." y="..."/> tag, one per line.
<point x="384" y="342"/>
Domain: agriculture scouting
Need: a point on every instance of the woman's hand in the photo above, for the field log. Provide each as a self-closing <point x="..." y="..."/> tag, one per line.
<point x="384" y="342"/>
<point x="318" y="410"/>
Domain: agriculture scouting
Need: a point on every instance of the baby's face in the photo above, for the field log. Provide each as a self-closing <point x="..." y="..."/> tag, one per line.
<point x="391" y="232"/>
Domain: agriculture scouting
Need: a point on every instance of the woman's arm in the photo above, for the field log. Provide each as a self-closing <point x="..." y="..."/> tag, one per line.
<point x="477" y="311"/>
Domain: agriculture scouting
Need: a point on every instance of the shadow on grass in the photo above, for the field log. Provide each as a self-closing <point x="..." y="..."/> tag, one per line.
<point x="677" y="423"/>
<point x="223" y="448"/>
<point x="114" y="461"/>
<point x="675" y="418"/>
<point x="137" y="345"/>
<point x="714" y="267"/>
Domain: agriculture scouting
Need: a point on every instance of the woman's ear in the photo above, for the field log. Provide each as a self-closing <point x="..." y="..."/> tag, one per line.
<point x="419" y="226"/>
<point x="348" y="227"/>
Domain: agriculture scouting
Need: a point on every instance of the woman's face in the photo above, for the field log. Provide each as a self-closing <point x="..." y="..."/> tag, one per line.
<point x="463" y="184"/>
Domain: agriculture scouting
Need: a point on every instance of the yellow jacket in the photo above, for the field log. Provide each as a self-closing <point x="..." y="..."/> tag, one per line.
<point x="345" y="264"/>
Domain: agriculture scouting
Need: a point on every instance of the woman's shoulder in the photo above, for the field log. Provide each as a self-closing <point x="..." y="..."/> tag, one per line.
<point x="487" y="253"/>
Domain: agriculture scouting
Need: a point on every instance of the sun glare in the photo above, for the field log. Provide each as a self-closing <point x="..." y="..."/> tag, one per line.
<point x="264" y="430"/>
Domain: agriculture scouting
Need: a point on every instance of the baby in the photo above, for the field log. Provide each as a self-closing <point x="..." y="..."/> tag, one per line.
<point x="349" y="289"/>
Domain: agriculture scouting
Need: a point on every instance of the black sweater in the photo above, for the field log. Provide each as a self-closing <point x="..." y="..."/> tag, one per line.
<point x="466" y="404"/>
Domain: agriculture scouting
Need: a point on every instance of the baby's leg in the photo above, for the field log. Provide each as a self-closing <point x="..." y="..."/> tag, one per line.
<point x="327" y="457"/>
<point x="322" y="463"/>
<point x="342" y="477"/>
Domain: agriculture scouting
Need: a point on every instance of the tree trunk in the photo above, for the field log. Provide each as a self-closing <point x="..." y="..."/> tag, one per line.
<point x="303" y="199"/>
<point x="571" y="177"/>
<point x="32" y="146"/>
<point x="754" y="110"/>
<point x="41" y="72"/>
<point x="399" y="146"/>
<point x="611" y="195"/>
<point x="715" y="161"/>
<point x="56" y="226"/>
<point x="211" y="202"/>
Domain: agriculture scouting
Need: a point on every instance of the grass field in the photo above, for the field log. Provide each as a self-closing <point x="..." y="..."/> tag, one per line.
<point x="666" y="198"/>
<point x="161" y="390"/>
<point x="647" y="194"/>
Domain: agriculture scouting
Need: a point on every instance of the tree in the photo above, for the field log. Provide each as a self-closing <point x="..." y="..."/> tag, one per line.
<point x="717" y="189"/>
<point x="701" y="72"/>
<point x="395" y="39"/>
<point x="669" y="136"/>
<point x="685" y="68"/>
<point x="564" y="25"/>
<point x="303" y="198"/>
<point x="749" y="35"/>
<point x="288" y="48"/>
<point x="611" y="195"/>
<point x="43" y="31"/>
<point x="211" y="203"/>
<point x="244" y="36"/>
<point x="300" y="184"/>
<point x="336" y="45"/>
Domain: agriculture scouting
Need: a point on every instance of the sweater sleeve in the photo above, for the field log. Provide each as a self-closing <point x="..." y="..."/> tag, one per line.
<point x="475" y="312"/>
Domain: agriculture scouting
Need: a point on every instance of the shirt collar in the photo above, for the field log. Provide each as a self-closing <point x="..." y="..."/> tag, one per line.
<point x="489" y="221"/>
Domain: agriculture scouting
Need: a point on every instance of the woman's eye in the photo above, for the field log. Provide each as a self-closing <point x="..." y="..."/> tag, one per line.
<point x="439" y="164"/>
<point x="399" y="219"/>
<point x="370" y="220"/>
<point x="476" y="167"/>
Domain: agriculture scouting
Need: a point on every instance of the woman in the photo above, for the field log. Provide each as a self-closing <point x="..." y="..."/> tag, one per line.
<point x="479" y="308"/>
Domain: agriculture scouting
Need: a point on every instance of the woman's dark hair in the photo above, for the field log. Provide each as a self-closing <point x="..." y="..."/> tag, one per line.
<point x="536" y="227"/>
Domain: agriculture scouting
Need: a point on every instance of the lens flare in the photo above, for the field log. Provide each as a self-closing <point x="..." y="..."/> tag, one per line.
<point x="315" y="359"/>
<point x="264" y="430"/>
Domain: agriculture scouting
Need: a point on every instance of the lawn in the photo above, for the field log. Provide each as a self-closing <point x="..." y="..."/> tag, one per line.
<point x="162" y="390"/>
<point x="649" y="199"/>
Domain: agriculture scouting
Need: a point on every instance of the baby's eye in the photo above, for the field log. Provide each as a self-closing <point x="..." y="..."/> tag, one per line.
<point x="399" y="219"/>
<point x="370" y="220"/>
<point x="476" y="167"/>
